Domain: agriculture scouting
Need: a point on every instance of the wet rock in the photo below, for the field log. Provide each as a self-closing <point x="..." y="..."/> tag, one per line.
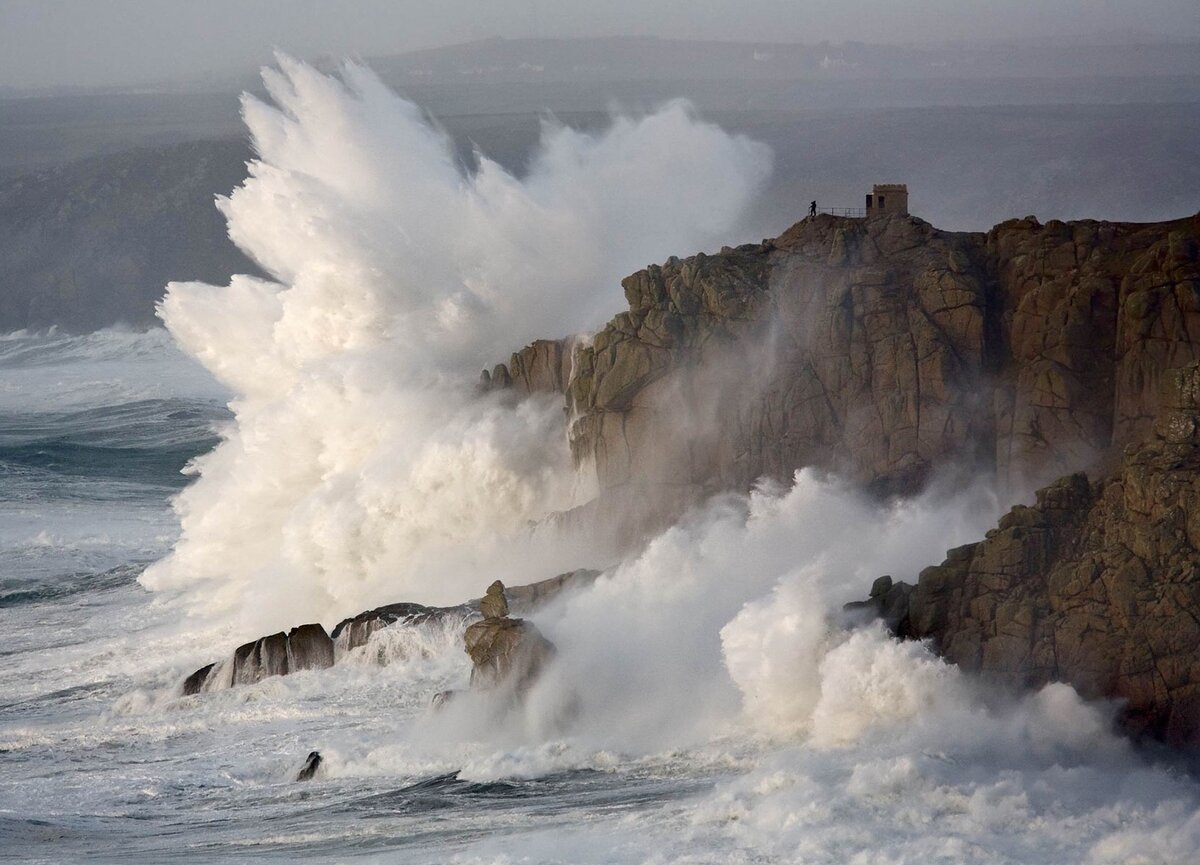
<point x="194" y="683"/>
<point x="357" y="630"/>
<point x="309" y="648"/>
<point x="1097" y="585"/>
<point x="261" y="659"/>
<point x="507" y="654"/>
<point x="306" y="647"/>
<point x="494" y="604"/>
<point x="311" y="765"/>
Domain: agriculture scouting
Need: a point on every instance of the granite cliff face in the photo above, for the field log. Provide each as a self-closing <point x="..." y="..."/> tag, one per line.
<point x="886" y="350"/>
<point x="1097" y="584"/>
<point x="882" y="349"/>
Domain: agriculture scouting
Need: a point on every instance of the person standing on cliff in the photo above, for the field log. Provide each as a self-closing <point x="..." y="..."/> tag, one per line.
<point x="812" y="208"/>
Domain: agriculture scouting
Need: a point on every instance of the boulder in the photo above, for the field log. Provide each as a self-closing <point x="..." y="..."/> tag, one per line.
<point x="257" y="660"/>
<point x="494" y="604"/>
<point x="309" y="648"/>
<point x="306" y="647"/>
<point x="506" y="654"/>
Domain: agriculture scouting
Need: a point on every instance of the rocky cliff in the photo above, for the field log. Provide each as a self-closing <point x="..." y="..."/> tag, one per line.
<point x="886" y="350"/>
<point x="1097" y="584"/>
<point x="883" y="349"/>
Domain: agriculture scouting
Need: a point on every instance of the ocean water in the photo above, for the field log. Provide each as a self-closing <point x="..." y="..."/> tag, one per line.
<point x="304" y="447"/>
<point x="102" y="759"/>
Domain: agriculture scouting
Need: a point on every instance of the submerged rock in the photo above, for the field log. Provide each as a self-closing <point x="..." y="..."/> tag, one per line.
<point x="442" y="698"/>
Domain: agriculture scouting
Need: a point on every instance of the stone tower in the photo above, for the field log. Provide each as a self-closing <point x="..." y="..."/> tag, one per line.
<point x="887" y="198"/>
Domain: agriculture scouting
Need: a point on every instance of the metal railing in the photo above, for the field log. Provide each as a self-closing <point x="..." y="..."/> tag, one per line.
<point x="851" y="212"/>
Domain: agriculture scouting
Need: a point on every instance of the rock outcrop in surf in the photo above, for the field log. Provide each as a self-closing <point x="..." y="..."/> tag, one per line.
<point x="357" y="630"/>
<point x="506" y="647"/>
<point x="307" y="647"/>
<point x="311" y="764"/>
<point x="507" y="654"/>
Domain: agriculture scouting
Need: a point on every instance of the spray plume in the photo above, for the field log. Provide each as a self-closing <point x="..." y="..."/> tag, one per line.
<point x="360" y="467"/>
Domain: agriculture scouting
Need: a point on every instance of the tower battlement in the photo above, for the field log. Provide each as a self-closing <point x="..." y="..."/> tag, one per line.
<point x="887" y="198"/>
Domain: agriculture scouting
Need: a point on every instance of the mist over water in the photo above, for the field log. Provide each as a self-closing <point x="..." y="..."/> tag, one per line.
<point x="708" y="702"/>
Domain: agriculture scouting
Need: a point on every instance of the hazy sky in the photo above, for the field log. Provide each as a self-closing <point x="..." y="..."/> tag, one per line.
<point x="103" y="42"/>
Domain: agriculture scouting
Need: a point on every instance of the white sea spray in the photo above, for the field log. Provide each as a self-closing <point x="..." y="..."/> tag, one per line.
<point x="362" y="466"/>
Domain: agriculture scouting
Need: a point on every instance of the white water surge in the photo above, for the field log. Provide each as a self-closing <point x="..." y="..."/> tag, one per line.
<point x="707" y="704"/>
<point x="361" y="467"/>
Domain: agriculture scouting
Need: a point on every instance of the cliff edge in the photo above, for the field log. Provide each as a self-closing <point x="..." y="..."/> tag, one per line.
<point x="882" y="349"/>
